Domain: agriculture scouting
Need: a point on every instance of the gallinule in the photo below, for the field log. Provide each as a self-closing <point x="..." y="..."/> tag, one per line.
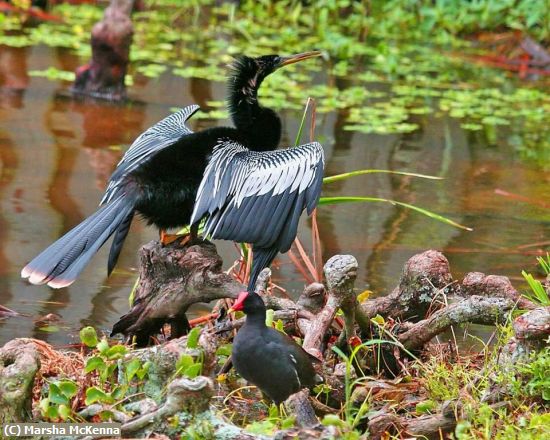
<point x="159" y="175"/>
<point x="269" y="359"/>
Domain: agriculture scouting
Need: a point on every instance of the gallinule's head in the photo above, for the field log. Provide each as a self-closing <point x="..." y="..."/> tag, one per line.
<point x="248" y="303"/>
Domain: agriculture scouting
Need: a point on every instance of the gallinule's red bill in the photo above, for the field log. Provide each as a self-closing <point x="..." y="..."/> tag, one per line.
<point x="268" y="358"/>
<point x="159" y="175"/>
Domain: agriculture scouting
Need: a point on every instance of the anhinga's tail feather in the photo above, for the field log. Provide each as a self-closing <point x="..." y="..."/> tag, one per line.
<point x="263" y="257"/>
<point x="60" y="263"/>
<point x="118" y="241"/>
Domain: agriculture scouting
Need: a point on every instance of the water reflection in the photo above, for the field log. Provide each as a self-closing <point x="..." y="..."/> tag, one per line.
<point x="57" y="153"/>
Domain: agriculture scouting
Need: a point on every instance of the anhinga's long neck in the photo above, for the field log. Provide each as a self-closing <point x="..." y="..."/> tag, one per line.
<point x="259" y="126"/>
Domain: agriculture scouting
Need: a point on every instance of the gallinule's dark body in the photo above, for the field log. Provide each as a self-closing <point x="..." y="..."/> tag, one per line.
<point x="268" y="358"/>
<point x="159" y="175"/>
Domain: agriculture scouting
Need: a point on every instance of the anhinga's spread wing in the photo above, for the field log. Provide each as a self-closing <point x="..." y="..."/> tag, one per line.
<point x="159" y="136"/>
<point x="257" y="197"/>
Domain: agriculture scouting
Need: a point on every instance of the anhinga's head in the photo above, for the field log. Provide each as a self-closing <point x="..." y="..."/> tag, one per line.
<point x="246" y="113"/>
<point x="248" y="73"/>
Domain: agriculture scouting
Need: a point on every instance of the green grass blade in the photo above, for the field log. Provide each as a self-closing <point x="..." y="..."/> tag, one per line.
<point x="545" y="263"/>
<point x="302" y="123"/>
<point x="352" y="199"/>
<point x="538" y="293"/>
<point x="133" y="292"/>
<point x="345" y="176"/>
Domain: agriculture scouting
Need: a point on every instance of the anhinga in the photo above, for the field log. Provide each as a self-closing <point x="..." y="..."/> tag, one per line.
<point x="159" y="175"/>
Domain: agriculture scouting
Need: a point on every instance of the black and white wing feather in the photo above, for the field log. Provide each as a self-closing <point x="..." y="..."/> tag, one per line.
<point x="257" y="197"/>
<point x="159" y="136"/>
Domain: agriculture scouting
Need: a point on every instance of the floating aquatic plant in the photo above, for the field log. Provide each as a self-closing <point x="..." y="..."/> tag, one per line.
<point x="380" y="69"/>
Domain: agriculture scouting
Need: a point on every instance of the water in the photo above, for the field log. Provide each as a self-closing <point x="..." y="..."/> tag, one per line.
<point x="56" y="155"/>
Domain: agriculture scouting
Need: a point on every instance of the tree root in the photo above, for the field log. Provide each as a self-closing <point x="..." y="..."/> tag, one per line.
<point x="476" y="310"/>
<point x="19" y="363"/>
<point x="432" y="426"/>
<point x="427" y="301"/>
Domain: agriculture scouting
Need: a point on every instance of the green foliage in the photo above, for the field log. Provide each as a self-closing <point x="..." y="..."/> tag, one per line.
<point x="538" y="293"/>
<point x="276" y="420"/>
<point x="545" y="263"/>
<point x="445" y="381"/>
<point x="344" y="176"/>
<point x="193" y="337"/>
<point x="54" y="74"/>
<point x="187" y="366"/>
<point x="88" y="336"/>
<point x="426" y="407"/>
<point x="105" y="364"/>
<point x="488" y="423"/>
<point x="537" y="375"/>
<point x="111" y="378"/>
<point x="352" y="199"/>
<point x="57" y="404"/>
<point x="114" y="379"/>
<point x="199" y="429"/>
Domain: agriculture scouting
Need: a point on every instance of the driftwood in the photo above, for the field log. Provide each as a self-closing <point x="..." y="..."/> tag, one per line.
<point x="533" y="326"/>
<point x="172" y="278"/>
<point x="493" y="286"/>
<point x="340" y="273"/>
<point x="192" y="397"/>
<point x="188" y="395"/>
<point x="103" y="77"/>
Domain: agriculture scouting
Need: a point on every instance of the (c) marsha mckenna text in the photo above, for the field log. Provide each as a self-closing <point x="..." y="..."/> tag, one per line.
<point x="47" y="429"/>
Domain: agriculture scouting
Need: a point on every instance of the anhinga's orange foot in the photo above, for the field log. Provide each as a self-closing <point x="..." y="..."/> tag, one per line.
<point x="166" y="239"/>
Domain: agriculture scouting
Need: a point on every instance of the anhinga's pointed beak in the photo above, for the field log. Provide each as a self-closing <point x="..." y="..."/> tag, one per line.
<point x="285" y="61"/>
<point x="238" y="304"/>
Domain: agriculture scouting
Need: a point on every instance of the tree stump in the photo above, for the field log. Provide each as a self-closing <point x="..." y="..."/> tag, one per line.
<point x="103" y="77"/>
<point x="171" y="278"/>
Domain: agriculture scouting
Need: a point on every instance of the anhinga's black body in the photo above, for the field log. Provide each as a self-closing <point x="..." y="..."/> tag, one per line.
<point x="268" y="358"/>
<point x="159" y="175"/>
